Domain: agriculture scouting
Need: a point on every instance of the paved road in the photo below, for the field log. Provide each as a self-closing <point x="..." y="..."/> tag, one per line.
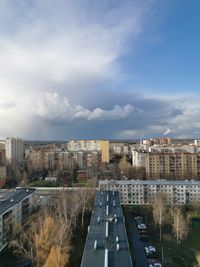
<point x="140" y="256"/>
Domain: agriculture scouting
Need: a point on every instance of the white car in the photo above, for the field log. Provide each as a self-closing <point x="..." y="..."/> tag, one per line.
<point x="142" y="226"/>
<point x="150" y="250"/>
<point x="155" y="264"/>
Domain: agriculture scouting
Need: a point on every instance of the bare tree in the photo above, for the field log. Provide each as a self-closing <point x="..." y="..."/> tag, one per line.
<point x="179" y="225"/>
<point x="159" y="211"/>
<point x="44" y="236"/>
<point x="85" y="196"/>
<point x="56" y="258"/>
<point x="126" y="168"/>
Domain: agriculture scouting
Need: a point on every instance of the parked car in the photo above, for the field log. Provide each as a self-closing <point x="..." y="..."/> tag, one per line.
<point x="138" y="219"/>
<point x="150" y="250"/>
<point x="141" y="226"/>
<point x="154" y="263"/>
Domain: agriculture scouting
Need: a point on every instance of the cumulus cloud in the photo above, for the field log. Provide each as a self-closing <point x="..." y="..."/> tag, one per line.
<point x="53" y="107"/>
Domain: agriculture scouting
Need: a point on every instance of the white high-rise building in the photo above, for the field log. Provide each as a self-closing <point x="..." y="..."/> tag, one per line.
<point x="14" y="149"/>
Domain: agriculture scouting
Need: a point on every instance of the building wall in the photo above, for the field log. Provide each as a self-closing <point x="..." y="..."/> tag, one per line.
<point x="14" y="149"/>
<point x="2" y="176"/>
<point x="172" y="165"/>
<point x="139" y="158"/>
<point x="88" y="145"/>
<point x="51" y="159"/>
<point x="2" y="172"/>
<point x="144" y="192"/>
<point x="2" y="157"/>
<point x="14" y="217"/>
<point x="104" y="147"/>
<point x="168" y="165"/>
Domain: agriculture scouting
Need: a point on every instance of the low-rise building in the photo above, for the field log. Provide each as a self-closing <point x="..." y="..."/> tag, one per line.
<point x="143" y="192"/>
<point x="15" y="207"/>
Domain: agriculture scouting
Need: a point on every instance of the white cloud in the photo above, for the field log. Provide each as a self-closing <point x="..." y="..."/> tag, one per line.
<point x="55" y="108"/>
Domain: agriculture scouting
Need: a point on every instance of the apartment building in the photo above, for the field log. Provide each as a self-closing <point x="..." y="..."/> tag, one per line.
<point x="2" y="176"/>
<point x="173" y="149"/>
<point x="88" y="145"/>
<point x="15" y="208"/>
<point x="172" y="165"/>
<point x="143" y="192"/>
<point x="168" y="164"/>
<point x="14" y="149"/>
<point x="158" y="141"/>
<point x="2" y="156"/>
<point x="60" y="159"/>
<point x="139" y="158"/>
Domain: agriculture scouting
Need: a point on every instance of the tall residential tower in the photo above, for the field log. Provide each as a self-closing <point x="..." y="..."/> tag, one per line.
<point x="14" y="149"/>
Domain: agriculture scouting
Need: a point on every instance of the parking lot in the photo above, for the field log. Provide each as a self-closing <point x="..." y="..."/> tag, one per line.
<point x="144" y="252"/>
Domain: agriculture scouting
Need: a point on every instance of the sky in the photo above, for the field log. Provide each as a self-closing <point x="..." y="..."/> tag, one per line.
<point x="109" y="69"/>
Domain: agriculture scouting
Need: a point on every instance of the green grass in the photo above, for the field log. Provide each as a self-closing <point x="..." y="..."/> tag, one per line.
<point x="181" y="255"/>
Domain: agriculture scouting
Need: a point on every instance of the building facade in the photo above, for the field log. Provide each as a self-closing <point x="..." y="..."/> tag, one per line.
<point x="60" y="159"/>
<point x="167" y="164"/>
<point x="88" y="145"/>
<point x="2" y="176"/>
<point x="143" y="192"/>
<point x="15" y="208"/>
<point x="14" y="149"/>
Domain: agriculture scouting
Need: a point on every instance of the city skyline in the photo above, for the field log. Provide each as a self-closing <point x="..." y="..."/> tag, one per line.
<point x="99" y="69"/>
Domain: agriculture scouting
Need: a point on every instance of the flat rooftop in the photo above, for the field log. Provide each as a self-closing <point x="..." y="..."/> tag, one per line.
<point x="150" y="182"/>
<point x="107" y="230"/>
<point x="10" y="198"/>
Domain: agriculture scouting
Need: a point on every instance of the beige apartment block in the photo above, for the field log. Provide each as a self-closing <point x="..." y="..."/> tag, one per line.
<point x="172" y="165"/>
<point x="2" y="175"/>
<point x="168" y="164"/>
<point x="87" y="145"/>
<point x="2" y="172"/>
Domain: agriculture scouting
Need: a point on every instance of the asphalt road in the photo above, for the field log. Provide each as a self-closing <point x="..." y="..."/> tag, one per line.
<point x="140" y="256"/>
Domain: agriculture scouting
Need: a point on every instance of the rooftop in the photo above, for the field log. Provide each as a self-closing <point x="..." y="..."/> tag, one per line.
<point x="10" y="198"/>
<point x="106" y="243"/>
<point x="150" y="182"/>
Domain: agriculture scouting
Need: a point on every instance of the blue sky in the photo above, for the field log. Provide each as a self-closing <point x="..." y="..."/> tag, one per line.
<point x="168" y="58"/>
<point x="99" y="69"/>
